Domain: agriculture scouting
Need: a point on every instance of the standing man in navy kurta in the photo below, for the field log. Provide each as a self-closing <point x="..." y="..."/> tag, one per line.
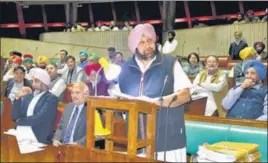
<point x="143" y="76"/>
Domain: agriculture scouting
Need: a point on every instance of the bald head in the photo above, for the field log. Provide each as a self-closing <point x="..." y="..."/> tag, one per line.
<point x="79" y="93"/>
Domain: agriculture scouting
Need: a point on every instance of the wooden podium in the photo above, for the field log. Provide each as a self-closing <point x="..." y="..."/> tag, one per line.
<point x="133" y="107"/>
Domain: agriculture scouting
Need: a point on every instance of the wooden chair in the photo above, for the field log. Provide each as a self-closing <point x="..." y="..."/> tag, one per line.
<point x="3" y="87"/>
<point x="196" y="107"/>
<point x="6" y="122"/>
<point x="67" y="94"/>
<point x="133" y="107"/>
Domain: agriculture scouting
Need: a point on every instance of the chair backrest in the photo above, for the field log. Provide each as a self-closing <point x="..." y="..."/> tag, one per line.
<point x="67" y="94"/>
<point x="6" y="121"/>
<point x="61" y="107"/>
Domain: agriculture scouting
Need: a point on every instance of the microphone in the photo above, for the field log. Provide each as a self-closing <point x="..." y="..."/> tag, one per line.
<point x="161" y="105"/>
<point x="174" y="98"/>
<point x="183" y="48"/>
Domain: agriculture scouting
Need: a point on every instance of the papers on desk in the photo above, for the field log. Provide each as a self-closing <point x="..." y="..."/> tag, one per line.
<point x="26" y="139"/>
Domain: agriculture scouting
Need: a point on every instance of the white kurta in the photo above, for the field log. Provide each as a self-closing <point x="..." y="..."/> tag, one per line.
<point x="209" y="88"/>
<point x="169" y="47"/>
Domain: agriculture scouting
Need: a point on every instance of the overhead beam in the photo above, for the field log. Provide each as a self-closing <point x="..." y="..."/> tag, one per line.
<point x="67" y="8"/>
<point x="113" y="12"/>
<point x="160" y="4"/>
<point x="241" y="6"/>
<point x="187" y="12"/>
<point x="159" y="21"/>
<point x="21" y="20"/>
<point x="91" y="16"/>
<point x="213" y="8"/>
<point x="44" y="15"/>
<point x="137" y="11"/>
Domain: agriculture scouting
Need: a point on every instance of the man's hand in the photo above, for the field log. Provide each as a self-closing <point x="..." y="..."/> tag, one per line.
<point x="56" y="143"/>
<point x="148" y="99"/>
<point x="24" y="91"/>
<point x="247" y="83"/>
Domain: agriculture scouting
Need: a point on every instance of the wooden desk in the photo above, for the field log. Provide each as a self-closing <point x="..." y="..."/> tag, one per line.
<point x="196" y="107"/>
<point x="10" y="152"/>
<point x="66" y="153"/>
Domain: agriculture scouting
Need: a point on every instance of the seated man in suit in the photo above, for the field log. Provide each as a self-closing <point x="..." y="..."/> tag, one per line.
<point x="35" y="112"/>
<point x="74" y="73"/>
<point x="72" y="126"/>
<point x="249" y="100"/>
<point x="14" y="85"/>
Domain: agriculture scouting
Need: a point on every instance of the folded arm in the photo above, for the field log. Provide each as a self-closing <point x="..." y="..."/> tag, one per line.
<point x="232" y="96"/>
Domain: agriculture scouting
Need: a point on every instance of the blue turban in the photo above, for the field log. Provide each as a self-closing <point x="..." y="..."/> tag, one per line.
<point x="83" y="53"/>
<point x="258" y="66"/>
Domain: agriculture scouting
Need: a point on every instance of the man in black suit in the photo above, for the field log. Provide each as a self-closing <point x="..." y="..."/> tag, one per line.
<point x="14" y="85"/>
<point x="72" y="126"/>
<point x="35" y="112"/>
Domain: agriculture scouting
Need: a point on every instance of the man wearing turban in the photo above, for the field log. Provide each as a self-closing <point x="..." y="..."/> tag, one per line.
<point x="28" y="62"/>
<point x="260" y="53"/>
<point x="160" y="79"/>
<point x="171" y="44"/>
<point x="249" y="100"/>
<point x="16" y="61"/>
<point x="35" y="111"/>
<point x="237" y="46"/>
<point x="42" y="61"/>
<point x="9" y="62"/>
<point x="237" y="71"/>
<point x="92" y="58"/>
<point x="83" y="55"/>
<point x="250" y="18"/>
<point x="95" y="80"/>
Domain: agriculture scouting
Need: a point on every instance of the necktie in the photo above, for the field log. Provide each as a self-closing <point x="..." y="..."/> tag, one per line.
<point x="70" y="75"/>
<point x="70" y="127"/>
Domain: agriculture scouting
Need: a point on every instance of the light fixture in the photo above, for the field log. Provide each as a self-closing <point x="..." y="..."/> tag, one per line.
<point x="111" y="71"/>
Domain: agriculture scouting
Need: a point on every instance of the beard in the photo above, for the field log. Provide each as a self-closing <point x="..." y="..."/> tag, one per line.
<point x="170" y="39"/>
<point x="212" y="70"/>
<point x="146" y="55"/>
<point x="259" y="51"/>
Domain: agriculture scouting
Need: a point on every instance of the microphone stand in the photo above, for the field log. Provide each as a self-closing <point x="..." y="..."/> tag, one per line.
<point x="165" y="147"/>
<point x="95" y="82"/>
<point x="161" y="105"/>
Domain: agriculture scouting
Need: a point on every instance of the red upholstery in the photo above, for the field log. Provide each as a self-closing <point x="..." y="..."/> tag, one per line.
<point x="223" y="60"/>
<point x="61" y="107"/>
<point x="67" y="95"/>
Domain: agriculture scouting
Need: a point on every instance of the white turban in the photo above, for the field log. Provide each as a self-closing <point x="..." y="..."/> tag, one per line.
<point x="40" y="74"/>
<point x="135" y="35"/>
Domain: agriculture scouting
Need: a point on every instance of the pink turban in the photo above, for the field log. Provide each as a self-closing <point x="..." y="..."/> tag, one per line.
<point x="135" y="35"/>
<point x="41" y="75"/>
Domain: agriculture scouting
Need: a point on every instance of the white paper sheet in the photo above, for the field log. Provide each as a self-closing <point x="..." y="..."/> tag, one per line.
<point x="26" y="140"/>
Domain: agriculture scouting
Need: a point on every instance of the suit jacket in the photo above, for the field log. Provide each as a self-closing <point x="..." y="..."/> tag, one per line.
<point x="80" y="128"/>
<point x="78" y="75"/>
<point x="11" y="82"/>
<point x="44" y="116"/>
